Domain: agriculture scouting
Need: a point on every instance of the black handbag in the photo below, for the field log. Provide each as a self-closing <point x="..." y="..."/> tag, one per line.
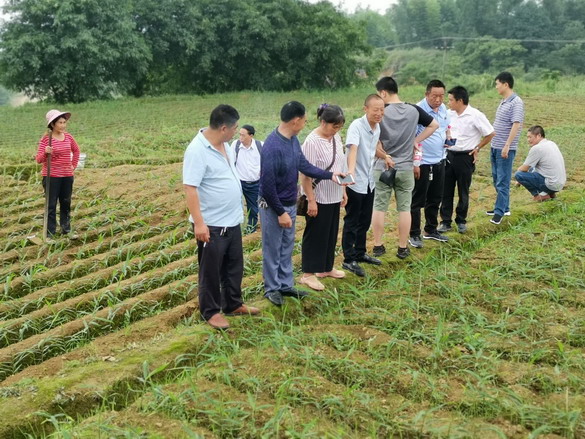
<point x="388" y="176"/>
<point x="302" y="201"/>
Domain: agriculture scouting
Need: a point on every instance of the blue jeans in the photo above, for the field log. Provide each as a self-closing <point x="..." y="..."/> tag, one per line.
<point x="502" y="175"/>
<point x="277" y="248"/>
<point x="532" y="181"/>
<point x="250" y="191"/>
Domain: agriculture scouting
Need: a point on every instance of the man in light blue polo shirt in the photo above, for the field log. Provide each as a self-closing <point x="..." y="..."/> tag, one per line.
<point x="507" y="125"/>
<point x="362" y="138"/>
<point x="429" y="178"/>
<point x="214" y="198"/>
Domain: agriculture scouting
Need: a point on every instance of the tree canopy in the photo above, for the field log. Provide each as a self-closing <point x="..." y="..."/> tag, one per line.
<point x="76" y="50"/>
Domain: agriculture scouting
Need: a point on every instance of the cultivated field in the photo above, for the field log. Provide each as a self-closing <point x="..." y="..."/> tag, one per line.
<point x="482" y="337"/>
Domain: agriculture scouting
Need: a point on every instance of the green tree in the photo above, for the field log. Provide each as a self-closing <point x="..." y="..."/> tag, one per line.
<point x="71" y="50"/>
<point x="379" y="28"/>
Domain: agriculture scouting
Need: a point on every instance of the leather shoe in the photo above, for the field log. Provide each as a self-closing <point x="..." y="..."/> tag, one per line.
<point x="370" y="260"/>
<point x="312" y="282"/>
<point x="217" y="321"/>
<point x="274" y="297"/>
<point x="243" y="310"/>
<point x="293" y="292"/>
<point x="354" y="267"/>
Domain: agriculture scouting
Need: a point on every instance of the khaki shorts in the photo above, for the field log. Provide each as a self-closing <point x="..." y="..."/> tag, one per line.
<point x="403" y="187"/>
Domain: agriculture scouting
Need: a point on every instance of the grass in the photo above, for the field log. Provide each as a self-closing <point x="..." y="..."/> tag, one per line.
<point x="483" y="337"/>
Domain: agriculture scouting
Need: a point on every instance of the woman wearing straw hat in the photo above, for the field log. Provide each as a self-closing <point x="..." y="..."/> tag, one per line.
<point x="58" y="152"/>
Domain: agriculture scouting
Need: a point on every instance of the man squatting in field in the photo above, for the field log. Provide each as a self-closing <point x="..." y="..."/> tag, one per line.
<point x="214" y="198"/>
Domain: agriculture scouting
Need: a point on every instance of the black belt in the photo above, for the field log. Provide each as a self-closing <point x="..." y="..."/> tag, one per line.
<point x="250" y="182"/>
<point x="460" y="152"/>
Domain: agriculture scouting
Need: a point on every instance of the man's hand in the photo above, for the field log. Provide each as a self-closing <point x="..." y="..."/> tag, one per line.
<point x="202" y="232"/>
<point x="417" y="172"/>
<point x="505" y="151"/>
<point x="285" y="221"/>
<point x="337" y="176"/>
<point x="475" y="153"/>
<point x="344" y="199"/>
<point x="389" y="162"/>
<point x="312" y="209"/>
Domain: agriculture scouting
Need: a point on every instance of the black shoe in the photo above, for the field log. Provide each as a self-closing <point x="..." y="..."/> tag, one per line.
<point x="462" y="228"/>
<point x="492" y="213"/>
<point x="444" y="228"/>
<point x="496" y="219"/>
<point x="293" y="292"/>
<point x="415" y="242"/>
<point x="403" y="252"/>
<point x="354" y="267"/>
<point x="370" y="260"/>
<point x="275" y="297"/>
<point x="436" y="236"/>
<point x="379" y="250"/>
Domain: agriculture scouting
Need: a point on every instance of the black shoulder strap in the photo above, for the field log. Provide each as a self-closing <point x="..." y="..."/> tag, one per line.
<point x="259" y="146"/>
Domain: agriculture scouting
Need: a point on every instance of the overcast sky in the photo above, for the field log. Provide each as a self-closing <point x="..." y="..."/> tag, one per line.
<point x="351" y="5"/>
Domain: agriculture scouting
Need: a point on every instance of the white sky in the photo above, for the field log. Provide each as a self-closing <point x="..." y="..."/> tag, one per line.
<point x="351" y="5"/>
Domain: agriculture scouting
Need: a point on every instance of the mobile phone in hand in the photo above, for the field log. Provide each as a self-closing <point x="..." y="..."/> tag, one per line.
<point x="348" y="179"/>
<point x="450" y="142"/>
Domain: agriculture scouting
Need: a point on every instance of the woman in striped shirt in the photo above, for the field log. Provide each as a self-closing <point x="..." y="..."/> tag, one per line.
<point x="64" y="158"/>
<point x="323" y="147"/>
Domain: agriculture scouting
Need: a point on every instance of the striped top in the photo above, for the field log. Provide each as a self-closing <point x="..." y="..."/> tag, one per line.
<point x="319" y="152"/>
<point x="64" y="158"/>
<point x="509" y="111"/>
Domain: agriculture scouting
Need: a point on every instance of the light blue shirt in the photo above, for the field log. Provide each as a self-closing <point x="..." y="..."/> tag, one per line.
<point x="361" y="134"/>
<point x="216" y="180"/>
<point x="434" y="146"/>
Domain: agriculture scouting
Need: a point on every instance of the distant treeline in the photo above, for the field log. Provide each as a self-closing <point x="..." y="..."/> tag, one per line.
<point x="486" y="35"/>
<point x="77" y="50"/>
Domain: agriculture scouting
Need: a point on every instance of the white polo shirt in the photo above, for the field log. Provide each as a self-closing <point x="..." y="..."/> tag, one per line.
<point x="248" y="161"/>
<point x="468" y="128"/>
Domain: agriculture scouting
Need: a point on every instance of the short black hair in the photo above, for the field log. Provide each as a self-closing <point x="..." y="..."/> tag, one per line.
<point x="331" y="114"/>
<point x="223" y="115"/>
<point x="537" y="130"/>
<point x="506" y="78"/>
<point x="388" y="84"/>
<point x="435" y="83"/>
<point x="290" y="110"/>
<point x="371" y="97"/>
<point x="250" y="129"/>
<point x="460" y="94"/>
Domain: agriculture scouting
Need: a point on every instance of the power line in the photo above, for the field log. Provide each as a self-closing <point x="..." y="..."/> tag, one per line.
<point x="444" y="39"/>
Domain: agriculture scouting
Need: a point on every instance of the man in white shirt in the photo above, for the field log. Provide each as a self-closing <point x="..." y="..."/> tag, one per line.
<point x="248" y="151"/>
<point x="543" y="172"/>
<point x="470" y="131"/>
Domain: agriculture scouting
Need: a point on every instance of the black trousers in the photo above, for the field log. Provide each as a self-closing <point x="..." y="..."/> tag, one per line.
<point x="320" y="238"/>
<point x="60" y="190"/>
<point x="357" y="220"/>
<point x="458" y="172"/>
<point x="427" y="194"/>
<point x="221" y="267"/>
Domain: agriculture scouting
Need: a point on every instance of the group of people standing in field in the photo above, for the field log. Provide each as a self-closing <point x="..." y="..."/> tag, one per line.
<point x="421" y="153"/>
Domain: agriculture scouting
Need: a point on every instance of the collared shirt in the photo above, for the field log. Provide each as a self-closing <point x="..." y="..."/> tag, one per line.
<point x="547" y="160"/>
<point x="434" y="146"/>
<point x="248" y="162"/>
<point x="468" y="128"/>
<point x="319" y="152"/>
<point x="216" y="180"/>
<point x="509" y="111"/>
<point x="361" y="135"/>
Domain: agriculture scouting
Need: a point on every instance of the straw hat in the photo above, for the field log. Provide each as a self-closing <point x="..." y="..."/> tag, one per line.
<point x="52" y="115"/>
